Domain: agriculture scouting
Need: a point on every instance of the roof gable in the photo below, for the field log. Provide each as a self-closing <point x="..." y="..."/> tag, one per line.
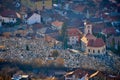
<point x="9" y="13"/>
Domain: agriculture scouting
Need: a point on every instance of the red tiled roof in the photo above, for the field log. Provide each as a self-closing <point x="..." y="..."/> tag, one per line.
<point x="90" y="36"/>
<point x="98" y="27"/>
<point x="57" y="23"/>
<point x="110" y="30"/>
<point x="96" y="43"/>
<point x="9" y="13"/>
<point x="79" y="8"/>
<point x="73" y="32"/>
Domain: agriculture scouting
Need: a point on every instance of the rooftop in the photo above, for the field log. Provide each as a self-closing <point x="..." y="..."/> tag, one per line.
<point x="57" y="23"/>
<point x="9" y="13"/>
<point x="96" y="43"/>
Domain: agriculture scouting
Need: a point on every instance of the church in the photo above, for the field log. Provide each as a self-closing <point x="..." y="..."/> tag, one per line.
<point x="91" y="44"/>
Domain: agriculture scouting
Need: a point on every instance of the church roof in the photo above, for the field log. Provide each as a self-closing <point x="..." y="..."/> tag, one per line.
<point x="90" y="36"/>
<point x="96" y="43"/>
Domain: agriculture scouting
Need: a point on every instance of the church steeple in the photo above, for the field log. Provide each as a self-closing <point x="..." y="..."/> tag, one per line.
<point x="88" y="27"/>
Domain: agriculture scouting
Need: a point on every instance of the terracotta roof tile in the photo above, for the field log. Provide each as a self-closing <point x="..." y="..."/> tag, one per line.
<point x="90" y="36"/>
<point x="79" y="8"/>
<point x="57" y="23"/>
<point x="110" y="30"/>
<point x="96" y="43"/>
<point x="9" y="13"/>
<point x="73" y="32"/>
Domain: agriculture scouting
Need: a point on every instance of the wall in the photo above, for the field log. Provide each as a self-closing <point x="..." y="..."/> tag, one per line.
<point x="73" y="40"/>
<point x="7" y="20"/>
<point x="101" y="49"/>
<point x="35" y="18"/>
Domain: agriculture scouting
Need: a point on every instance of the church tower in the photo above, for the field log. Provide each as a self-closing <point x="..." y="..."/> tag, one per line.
<point x="88" y="28"/>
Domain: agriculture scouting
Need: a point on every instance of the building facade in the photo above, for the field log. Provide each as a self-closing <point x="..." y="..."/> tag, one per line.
<point x="34" y="18"/>
<point x="90" y="44"/>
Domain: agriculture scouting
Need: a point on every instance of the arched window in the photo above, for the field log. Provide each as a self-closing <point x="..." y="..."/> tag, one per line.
<point x="93" y="51"/>
<point x="98" y="51"/>
<point x="88" y="31"/>
<point x="88" y="50"/>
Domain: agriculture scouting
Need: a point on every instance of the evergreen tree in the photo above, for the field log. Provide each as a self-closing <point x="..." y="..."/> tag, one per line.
<point x="64" y="36"/>
<point x="113" y="43"/>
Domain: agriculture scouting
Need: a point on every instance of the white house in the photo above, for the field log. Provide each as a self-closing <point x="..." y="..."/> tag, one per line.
<point x="74" y="36"/>
<point x="34" y="18"/>
<point x="8" y="16"/>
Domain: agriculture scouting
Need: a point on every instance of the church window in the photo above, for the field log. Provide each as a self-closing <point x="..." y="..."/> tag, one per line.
<point x="93" y="51"/>
<point x="98" y="51"/>
<point x="88" y="31"/>
<point x="88" y="50"/>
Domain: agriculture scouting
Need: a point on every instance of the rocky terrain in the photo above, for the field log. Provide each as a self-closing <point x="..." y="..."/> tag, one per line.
<point x="37" y="51"/>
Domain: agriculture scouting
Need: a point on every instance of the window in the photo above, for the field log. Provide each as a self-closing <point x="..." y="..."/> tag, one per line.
<point x="104" y="50"/>
<point x="88" y="50"/>
<point x="88" y="26"/>
<point x="98" y="51"/>
<point x="88" y="31"/>
<point x="93" y="51"/>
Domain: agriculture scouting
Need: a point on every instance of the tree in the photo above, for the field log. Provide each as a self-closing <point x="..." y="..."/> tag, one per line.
<point x="113" y="43"/>
<point x="64" y="36"/>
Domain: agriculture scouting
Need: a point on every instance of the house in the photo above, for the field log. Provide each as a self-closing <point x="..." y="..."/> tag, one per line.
<point x="109" y="31"/>
<point x="98" y="27"/>
<point x="78" y="9"/>
<point x="33" y="18"/>
<point x="45" y="31"/>
<point x="90" y="44"/>
<point x="74" y="35"/>
<point x="9" y="16"/>
<point x="57" y="25"/>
